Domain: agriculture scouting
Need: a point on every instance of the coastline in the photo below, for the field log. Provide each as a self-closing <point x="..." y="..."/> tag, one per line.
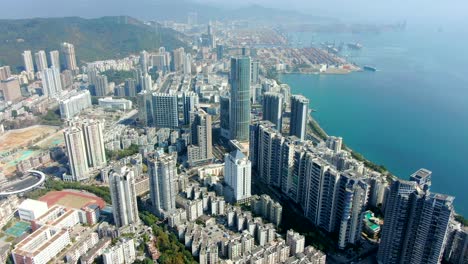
<point x="318" y="133"/>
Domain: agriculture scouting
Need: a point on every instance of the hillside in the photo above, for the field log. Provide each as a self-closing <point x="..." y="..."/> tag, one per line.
<point x="94" y="39"/>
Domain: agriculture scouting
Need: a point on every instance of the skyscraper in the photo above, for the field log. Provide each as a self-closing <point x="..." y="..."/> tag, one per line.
<point x="145" y="108"/>
<point x="70" y="57"/>
<point x="237" y="174"/>
<point x="416" y="224"/>
<point x="188" y="64"/>
<point x="165" y="110"/>
<point x="162" y="172"/>
<point x="93" y="131"/>
<point x="123" y="194"/>
<point x="41" y="60"/>
<point x="219" y="51"/>
<point x="76" y="150"/>
<point x="239" y="114"/>
<point x="224" y="105"/>
<point x="28" y="64"/>
<point x="299" y="116"/>
<point x="255" y="72"/>
<point x="51" y="83"/>
<point x="200" y="148"/>
<point x="273" y="109"/>
<point x="144" y="61"/>
<point x="55" y="59"/>
<point x="190" y="101"/>
<point x="130" y="87"/>
<point x="146" y="82"/>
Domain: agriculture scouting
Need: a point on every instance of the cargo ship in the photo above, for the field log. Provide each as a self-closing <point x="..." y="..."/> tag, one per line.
<point x="369" y="68"/>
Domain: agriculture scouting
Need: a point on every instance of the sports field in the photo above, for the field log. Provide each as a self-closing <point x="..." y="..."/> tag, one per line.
<point x="18" y="229"/>
<point x="71" y="198"/>
<point x="15" y="145"/>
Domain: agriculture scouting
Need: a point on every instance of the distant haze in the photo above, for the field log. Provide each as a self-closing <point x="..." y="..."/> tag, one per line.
<point x="420" y="11"/>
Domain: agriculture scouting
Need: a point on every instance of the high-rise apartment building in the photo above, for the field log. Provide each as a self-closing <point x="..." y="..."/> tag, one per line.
<point x="416" y="224"/>
<point x="334" y="143"/>
<point x="5" y="72"/>
<point x="165" y="110"/>
<point x="163" y="190"/>
<point x="267" y="143"/>
<point x="41" y="60"/>
<point x="101" y="86"/>
<point x="350" y="205"/>
<point x="188" y="64"/>
<point x="178" y="60"/>
<point x="51" y="82"/>
<point x="146" y="83"/>
<point x="144" y="57"/>
<point x="237" y="174"/>
<point x="273" y="109"/>
<point x="299" y="116"/>
<point x="159" y="61"/>
<point x="10" y="89"/>
<point x="123" y="194"/>
<point x="55" y="59"/>
<point x="200" y="149"/>
<point x="28" y="64"/>
<point x="239" y="114"/>
<point x="68" y="51"/>
<point x="130" y="88"/>
<point x="93" y="131"/>
<point x="456" y="249"/>
<point x="76" y="150"/>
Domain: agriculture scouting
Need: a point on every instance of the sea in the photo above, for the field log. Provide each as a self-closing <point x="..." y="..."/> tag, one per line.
<point x="411" y="113"/>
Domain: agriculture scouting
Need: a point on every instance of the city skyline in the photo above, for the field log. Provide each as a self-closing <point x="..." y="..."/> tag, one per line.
<point x="210" y="149"/>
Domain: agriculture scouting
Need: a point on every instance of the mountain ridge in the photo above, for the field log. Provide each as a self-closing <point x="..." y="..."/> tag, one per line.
<point x="94" y="39"/>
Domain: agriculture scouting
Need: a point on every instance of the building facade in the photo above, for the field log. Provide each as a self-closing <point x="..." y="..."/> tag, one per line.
<point x="239" y="114"/>
<point x="123" y="194"/>
<point x="299" y="116"/>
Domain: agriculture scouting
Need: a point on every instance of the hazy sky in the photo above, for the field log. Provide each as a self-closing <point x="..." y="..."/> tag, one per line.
<point x="431" y="11"/>
<point x="441" y="10"/>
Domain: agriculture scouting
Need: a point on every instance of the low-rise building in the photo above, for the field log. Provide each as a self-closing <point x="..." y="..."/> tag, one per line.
<point x="41" y="246"/>
<point x="120" y="104"/>
<point x="122" y="253"/>
<point x="30" y="209"/>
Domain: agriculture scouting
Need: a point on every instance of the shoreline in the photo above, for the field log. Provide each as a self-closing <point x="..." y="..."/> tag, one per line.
<point x="318" y="132"/>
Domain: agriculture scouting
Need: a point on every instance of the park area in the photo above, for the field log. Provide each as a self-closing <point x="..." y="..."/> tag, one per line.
<point x="72" y="198"/>
<point x="17" y="145"/>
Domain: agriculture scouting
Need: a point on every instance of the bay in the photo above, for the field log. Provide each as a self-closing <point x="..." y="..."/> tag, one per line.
<point x="412" y="113"/>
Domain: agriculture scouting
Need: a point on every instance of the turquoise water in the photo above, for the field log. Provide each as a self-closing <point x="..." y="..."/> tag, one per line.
<point x="412" y="113"/>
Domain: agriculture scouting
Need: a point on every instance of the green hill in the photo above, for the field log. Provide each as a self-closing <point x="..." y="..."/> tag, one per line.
<point x="94" y="39"/>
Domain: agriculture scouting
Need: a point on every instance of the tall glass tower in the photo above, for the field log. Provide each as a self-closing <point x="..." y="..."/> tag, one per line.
<point x="240" y="98"/>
